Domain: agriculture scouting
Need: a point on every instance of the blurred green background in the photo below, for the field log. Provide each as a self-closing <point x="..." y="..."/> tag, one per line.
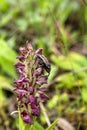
<point x="60" y="28"/>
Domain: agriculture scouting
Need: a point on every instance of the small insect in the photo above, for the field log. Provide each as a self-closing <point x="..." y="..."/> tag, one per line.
<point x="44" y="62"/>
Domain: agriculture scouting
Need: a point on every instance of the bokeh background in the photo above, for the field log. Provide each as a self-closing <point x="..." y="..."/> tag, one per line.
<point x="60" y="28"/>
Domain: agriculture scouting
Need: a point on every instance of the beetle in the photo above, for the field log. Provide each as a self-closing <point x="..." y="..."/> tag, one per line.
<point x="43" y="61"/>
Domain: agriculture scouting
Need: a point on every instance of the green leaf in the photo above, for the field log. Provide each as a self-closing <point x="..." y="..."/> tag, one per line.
<point x="6" y="51"/>
<point x="84" y="94"/>
<point x="65" y="62"/>
<point x="7" y="67"/>
<point x="52" y="125"/>
<point x="54" y="69"/>
<point x="3" y="5"/>
<point x="52" y="102"/>
<point x="5" y="83"/>
<point x="2" y="98"/>
<point x="73" y="61"/>
<point x="37" y="126"/>
<point x="22" y="24"/>
<point x="67" y="80"/>
<point x="7" y="59"/>
<point x="23" y="126"/>
<point x="21" y="123"/>
<point x="82" y="60"/>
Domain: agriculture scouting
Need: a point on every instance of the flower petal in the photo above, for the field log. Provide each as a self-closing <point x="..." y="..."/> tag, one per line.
<point x="20" y="91"/>
<point x="35" y="110"/>
<point x="42" y="80"/>
<point x="21" y="58"/>
<point x="43" y="97"/>
<point x="29" y="47"/>
<point x="27" y="118"/>
<point x="39" y="51"/>
<point x="18" y="64"/>
<point x="38" y="72"/>
<point x="42" y="90"/>
<point x="31" y="89"/>
<point x="32" y="99"/>
<point x="19" y="71"/>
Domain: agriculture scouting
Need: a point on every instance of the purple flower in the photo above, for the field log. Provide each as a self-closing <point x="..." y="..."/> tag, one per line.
<point x="43" y="97"/>
<point x="26" y="117"/>
<point x="28" y="86"/>
<point x="19" y="71"/>
<point x="20" y="80"/>
<point x="31" y="89"/>
<point x="22" y="50"/>
<point x="38" y="72"/>
<point x="42" y="92"/>
<point x="39" y="51"/>
<point x="35" y="110"/>
<point x="20" y="91"/>
<point x="21" y="58"/>
<point x="42" y="80"/>
<point x="32" y="99"/>
<point x="20" y="65"/>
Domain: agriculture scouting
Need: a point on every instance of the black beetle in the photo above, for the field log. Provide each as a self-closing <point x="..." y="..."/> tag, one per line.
<point x="44" y="62"/>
